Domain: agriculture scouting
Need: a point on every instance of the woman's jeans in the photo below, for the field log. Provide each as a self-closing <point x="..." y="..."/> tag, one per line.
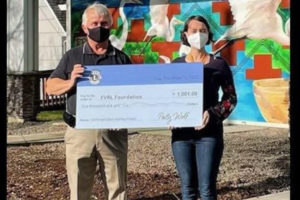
<point x="197" y="162"/>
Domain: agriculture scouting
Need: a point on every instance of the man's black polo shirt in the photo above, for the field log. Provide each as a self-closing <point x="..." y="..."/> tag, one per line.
<point x="84" y="55"/>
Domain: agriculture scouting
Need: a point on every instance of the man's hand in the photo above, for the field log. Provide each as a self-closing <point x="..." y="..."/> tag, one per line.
<point x="76" y="73"/>
<point x="205" y="121"/>
<point x="58" y="86"/>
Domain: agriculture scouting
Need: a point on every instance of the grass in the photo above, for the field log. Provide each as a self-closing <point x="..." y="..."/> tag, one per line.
<point x="50" y="115"/>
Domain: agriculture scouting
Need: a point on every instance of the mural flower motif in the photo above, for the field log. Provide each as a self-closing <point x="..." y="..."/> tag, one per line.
<point x="226" y="104"/>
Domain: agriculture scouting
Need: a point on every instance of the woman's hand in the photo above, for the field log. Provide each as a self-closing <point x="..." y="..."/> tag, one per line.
<point x="205" y="121"/>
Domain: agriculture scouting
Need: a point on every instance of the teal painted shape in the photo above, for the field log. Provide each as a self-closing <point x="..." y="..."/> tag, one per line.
<point x="216" y="27"/>
<point x="196" y="8"/>
<point x="246" y="108"/>
<point x="204" y="9"/>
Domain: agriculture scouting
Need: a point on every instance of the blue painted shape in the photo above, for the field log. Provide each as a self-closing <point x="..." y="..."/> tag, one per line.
<point x="246" y="108"/>
<point x="190" y="1"/>
<point x="135" y="11"/>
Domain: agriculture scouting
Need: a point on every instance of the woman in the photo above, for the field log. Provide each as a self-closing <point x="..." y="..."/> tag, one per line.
<point x="198" y="150"/>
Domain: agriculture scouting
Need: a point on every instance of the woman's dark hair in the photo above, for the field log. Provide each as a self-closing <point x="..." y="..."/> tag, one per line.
<point x="186" y="26"/>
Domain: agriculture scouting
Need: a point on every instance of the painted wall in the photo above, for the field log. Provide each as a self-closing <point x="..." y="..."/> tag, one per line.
<point x="260" y="66"/>
<point x="51" y="37"/>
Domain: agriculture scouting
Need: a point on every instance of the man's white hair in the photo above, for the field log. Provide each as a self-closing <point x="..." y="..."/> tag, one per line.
<point x="100" y="9"/>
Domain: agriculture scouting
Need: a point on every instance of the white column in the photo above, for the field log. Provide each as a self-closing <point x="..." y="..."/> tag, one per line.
<point x="31" y="35"/>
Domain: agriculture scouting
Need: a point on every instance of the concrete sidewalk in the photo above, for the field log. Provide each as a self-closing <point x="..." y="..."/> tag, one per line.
<point x="277" y="196"/>
<point x="35" y="138"/>
<point x="59" y="136"/>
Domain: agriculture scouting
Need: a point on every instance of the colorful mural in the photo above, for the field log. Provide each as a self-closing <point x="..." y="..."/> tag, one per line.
<point x="259" y="56"/>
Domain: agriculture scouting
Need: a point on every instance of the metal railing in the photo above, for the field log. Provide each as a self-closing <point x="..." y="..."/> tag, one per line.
<point x="49" y="102"/>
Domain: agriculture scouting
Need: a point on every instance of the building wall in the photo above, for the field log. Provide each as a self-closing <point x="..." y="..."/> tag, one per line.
<point x="51" y="37"/>
<point x="24" y="57"/>
<point x="15" y="36"/>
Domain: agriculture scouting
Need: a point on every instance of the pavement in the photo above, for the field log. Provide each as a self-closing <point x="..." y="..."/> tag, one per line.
<point x="277" y="196"/>
<point x="59" y="137"/>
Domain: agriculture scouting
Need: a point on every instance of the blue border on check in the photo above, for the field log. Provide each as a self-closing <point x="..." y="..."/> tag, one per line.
<point x="143" y="74"/>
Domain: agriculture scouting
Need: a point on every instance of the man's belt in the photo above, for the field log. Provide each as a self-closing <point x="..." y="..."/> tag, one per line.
<point x="69" y="119"/>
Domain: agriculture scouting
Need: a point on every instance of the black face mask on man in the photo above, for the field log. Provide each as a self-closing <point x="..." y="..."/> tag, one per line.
<point x="98" y="34"/>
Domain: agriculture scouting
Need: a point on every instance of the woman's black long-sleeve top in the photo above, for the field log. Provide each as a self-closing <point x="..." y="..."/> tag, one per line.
<point x="216" y="74"/>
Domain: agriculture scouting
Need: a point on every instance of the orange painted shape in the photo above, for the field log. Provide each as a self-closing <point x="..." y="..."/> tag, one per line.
<point x="223" y="8"/>
<point x="137" y="59"/>
<point x="137" y="32"/>
<point x="173" y="9"/>
<point x="286" y="46"/>
<point x="229" y="53"/>
<point x="160" y="60"/>
<point x="285" y="4"/>
<point x="165" y="48"/>
<point x="115" y="15"/>
<point x="262" y="68"/>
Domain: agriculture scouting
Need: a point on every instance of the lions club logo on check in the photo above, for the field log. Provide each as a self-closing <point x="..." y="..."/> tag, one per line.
<point x="95" y="77"/>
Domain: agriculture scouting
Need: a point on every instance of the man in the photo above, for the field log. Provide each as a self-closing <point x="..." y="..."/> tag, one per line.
<point x="85" y="147"/>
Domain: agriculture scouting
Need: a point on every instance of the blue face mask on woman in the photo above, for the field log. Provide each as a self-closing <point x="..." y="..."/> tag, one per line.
<point x="98" y="34"/>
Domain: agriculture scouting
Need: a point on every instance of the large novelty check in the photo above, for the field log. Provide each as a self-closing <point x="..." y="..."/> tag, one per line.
<point x="140" y="96"/>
